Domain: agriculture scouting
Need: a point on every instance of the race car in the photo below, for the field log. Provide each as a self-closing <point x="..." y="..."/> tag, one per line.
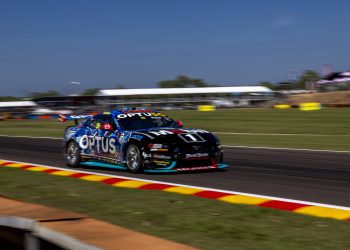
<point x="139" y="140"/>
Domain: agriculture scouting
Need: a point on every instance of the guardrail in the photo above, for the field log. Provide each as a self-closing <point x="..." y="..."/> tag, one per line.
<point x="27" y="234"/>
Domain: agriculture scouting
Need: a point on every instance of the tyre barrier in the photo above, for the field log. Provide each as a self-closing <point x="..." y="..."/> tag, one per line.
<point x="314" y="105"/>
<point x="308" y="106"/>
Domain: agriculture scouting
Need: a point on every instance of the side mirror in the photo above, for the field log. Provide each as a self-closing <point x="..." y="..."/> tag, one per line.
<point x="107" y="126"/>
<point x="180" y="123"/>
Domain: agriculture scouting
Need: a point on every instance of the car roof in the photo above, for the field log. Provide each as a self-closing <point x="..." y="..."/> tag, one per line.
<point x="127" y="111"/>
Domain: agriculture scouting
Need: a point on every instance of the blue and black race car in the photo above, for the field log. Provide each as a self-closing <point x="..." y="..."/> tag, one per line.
<point x="140" y="140"/>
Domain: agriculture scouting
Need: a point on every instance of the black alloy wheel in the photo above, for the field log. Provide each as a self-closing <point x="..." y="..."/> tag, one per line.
<point x="72" y="154"/>
<point x="133" y="159"/>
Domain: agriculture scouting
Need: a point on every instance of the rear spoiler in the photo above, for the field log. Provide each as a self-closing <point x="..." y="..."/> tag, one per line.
<point x="64" y="118"/>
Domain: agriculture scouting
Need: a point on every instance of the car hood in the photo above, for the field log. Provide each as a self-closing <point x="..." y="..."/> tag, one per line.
<point x="177" y="135"/>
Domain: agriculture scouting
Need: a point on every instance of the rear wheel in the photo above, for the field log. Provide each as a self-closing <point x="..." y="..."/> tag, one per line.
<point x="72" y="154"/>
<point x="133" y="159"/>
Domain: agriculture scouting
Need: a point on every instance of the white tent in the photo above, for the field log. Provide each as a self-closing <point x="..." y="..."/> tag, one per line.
<point x="17" y="104"/>
<point x="179" y="91"/>
<point x="335" y="78"/>
<point x="345" y="73"/>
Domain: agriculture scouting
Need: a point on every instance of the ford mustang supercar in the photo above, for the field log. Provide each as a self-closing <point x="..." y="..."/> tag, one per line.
<point x="139" y="140"/>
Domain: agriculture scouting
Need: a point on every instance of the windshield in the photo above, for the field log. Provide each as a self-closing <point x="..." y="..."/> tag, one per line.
<point x="146" y="122"/>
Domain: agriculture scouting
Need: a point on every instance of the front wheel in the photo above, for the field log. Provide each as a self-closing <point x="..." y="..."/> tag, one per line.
<point x="72" y="154"/>
<point x="133" y="159"/>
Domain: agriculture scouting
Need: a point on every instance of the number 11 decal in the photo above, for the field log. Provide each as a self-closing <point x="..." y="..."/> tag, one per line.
<point x="191" y="138"/>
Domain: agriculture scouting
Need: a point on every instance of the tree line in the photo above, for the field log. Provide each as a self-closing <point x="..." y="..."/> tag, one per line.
<point x="308" y="76"/>
<point x="183" y="81"/>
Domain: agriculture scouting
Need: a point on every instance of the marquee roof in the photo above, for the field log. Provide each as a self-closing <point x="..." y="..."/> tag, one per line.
<point x="174" y="91"/>
<point x="17" y="104"/>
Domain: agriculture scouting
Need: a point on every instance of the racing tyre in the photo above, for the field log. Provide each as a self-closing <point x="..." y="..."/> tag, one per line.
<point x="72" y="154"/>
<point x="133" y="159"/>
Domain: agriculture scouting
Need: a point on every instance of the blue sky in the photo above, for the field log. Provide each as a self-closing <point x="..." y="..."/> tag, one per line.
<point x="45" y="45"/>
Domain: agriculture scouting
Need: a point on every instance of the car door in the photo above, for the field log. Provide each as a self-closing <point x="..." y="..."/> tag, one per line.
<point x="109" y="145"/>
<point x="94" y="135"/>
<point x="87" y="138"/>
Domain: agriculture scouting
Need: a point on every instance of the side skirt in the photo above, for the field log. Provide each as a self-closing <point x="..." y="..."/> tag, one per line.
<point x="93" y="163"/>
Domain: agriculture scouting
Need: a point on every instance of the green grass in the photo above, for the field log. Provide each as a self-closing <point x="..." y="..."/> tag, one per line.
<point x="291" y="121"/>
<point x="204" y="223"/>
<point x="46" y="128"/>
<point x="323" y="129"/>
<point x="336" y="142"/>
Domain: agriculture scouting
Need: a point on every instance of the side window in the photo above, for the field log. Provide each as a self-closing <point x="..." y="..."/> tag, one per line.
<point x="109" y="119"/>
<point x="99" y="120"/>
<point x="90" y="123"/>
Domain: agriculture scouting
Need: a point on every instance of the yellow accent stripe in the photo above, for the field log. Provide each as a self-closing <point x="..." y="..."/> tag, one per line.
<point x="37" y="168"/>
<point x="324" y="212"/>
<point x="94" y="178"/>
<point x="182" y="190"/>
<point x="1" y="161"/>
<point x="15" y="165"/>
<point x="131" y="184"/>
<point x="243" y="199"/>
<point x="63" y="173"/>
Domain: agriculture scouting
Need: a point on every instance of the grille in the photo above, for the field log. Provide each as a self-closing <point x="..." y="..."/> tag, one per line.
<point x="199" y="149"/>
<point x="192" y="149"/>
<point x="193" y="163"/>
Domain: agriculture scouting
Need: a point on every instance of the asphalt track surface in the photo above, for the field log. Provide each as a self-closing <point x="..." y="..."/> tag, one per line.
<point x="314" y="176"/>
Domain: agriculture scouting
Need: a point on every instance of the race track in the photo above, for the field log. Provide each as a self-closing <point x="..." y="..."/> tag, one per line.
<point x="315" y="176"/>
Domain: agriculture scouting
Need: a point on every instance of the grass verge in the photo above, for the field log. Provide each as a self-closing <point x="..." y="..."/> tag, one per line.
<point x="204" y="223"/>
<point x="329" y="142"/>
<point x="292" y="121"/>
<point x="324" y="129"/>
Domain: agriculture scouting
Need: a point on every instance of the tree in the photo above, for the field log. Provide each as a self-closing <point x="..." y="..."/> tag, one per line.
<point x="183" y="81"/>
<point x="9" y="98"/>
<point x="49" y="93"/>
<point x="120" y="86"/>
<point x="90" y="92"/>
<point x="268" y="85"/>
<point x="308" y="76"/>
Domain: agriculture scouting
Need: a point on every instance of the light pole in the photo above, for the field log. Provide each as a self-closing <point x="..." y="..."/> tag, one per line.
<point x="73" y="89"/>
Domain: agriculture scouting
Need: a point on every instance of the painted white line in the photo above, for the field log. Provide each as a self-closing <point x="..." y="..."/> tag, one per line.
<point x="290" y="149"/>
<point x="227" y="146"/>
<point x="190" y="186"/>
<point x="274" y="134"/>
<point x="32" y="137"/>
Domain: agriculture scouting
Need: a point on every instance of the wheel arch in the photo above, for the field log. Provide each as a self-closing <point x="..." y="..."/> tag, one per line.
<point x="78" y="159"/>
<point x="70" y="140"/>
<point x="142" y="145"/>
<point x="139" y="144"/>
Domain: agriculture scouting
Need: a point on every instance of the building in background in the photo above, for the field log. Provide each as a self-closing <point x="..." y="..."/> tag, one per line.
<point x="157" y="98"/>
<point x="16" y="109"/>
<point x="172" y="98"/>
<point x="334" y="82"/>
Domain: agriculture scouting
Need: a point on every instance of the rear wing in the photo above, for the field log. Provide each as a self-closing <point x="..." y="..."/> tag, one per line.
<point x="64" y="118"/>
